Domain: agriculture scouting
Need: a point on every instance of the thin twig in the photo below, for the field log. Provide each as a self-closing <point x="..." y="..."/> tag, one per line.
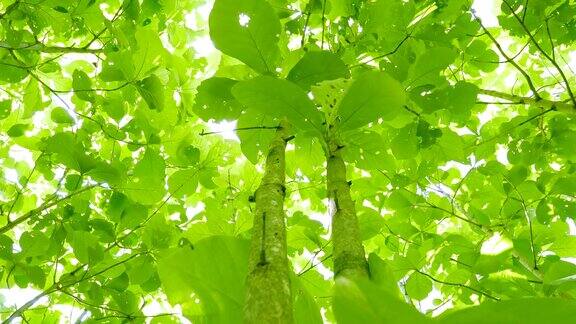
<point x="457" y="285"/>
<point x="203" y="133"/>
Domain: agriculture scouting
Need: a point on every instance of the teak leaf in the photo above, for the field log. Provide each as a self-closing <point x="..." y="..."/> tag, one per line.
<point x="371" y="96"/>
<point x="248" y="30"/>
<point x="279" y="98"/>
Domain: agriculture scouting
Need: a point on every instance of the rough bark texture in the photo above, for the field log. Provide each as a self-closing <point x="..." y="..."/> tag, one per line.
<point x="268" y="295"/>
<point x="348" y="254"/>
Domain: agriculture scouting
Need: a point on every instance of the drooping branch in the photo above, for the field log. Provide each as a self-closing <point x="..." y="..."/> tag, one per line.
<point x="60" y="285"/>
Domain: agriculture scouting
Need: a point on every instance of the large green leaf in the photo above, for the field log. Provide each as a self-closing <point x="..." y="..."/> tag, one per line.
<point x="373" y="95"/>
<point x="147" y="183"/>
<point x="213" y="270"/>
<point x="82" y="85"/>
<point x="517" y="311"/>
<point x="254" y="140"/>
<point x="247" y="30"/>
<point x="152" y="90"/>
<point x="68" y="151"/>
<point x="214" y="100"/>
<point x="306" y="309"/>
<point x="364" y="302"/>
<point x="279" y="98"/>
<point x="426" y="70"/>
<point x="368" y="151"/>
<point x="315" y="67"/>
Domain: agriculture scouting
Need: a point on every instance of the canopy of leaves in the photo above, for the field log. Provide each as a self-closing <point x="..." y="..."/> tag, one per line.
<point x="132" y="136"/>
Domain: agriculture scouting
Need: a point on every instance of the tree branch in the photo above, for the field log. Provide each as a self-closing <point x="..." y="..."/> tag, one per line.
<point x="42" y="207"/>
<point x="10" y="8"/>
<point x="544" y="103"/>
<point x="508" y="58"/>
<point x="546" y="55"/>
<point x="51" y="49"/>
<point x="386" y="54"/>
<point x="457" y="285"/>
<point x="203" y="133"/>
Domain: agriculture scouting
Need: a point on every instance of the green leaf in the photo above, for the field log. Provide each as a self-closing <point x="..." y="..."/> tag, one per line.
<point x="17" y="130"/>
<point x="364" y="302"/>
<point x="70" y="152"/>
<point x="462" y="99"/>
<point x="82" y="85"/>
<point x="119" y="283"/>
<point x="140" y="269"/>
<point x="368" y="151"/>
<point x="183" y="183"/>
<point x="279" y="98"/>
<point x="104" y="230"/>
<point x="60" y="9"/>
<point x="5" y="108"/>
<point x="516" y="311"/>
<point x="247" y="30"/>
<point x="32" y="99"/>
<point x="426" y="70"/>
<point x="565" y="246"/>
<point x="565" y="185"/>
<point x="405" y="144"/>
<point x="214" y="100"/>
<point x="188" y="154"/>
<point x="86" y="247"/>
<point x="373" y="95"/>
<point x="381" y="273"/>
<point x="60" y="115"/>
<point x="388" y="18"/>
<point x="370" y="223"/>
<point x="34" y="244"/>
<point x="306" y="309"/>
<point x="398" y="200"/>
<point x="418" y="286"/>
<point x="73" y="182"/>
<point x="559" y="273"/>
<point x="104" y="172"/>
<point x="215" y="270"/>
<point x="12" y="71"/>
<point x="315" y="67"/>
<point x="152" y="90"/>
<point x="147" y="184"/>
<point x="254" y="142"/>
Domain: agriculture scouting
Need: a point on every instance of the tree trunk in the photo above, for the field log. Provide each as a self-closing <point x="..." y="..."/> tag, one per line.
<point x="268" y="295"/>
<point x="348" y="251"/>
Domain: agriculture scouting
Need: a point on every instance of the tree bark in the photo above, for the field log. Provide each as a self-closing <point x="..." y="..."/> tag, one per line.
<point x="348" y="251"/>
<point x="268" y="295"/>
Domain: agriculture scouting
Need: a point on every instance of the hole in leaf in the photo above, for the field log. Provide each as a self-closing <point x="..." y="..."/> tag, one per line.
<point x="243" y="19"/>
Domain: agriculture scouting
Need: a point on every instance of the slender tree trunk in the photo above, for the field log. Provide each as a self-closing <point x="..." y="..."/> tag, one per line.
<point x="348" y="251"/>
<point x="268" y="295"/>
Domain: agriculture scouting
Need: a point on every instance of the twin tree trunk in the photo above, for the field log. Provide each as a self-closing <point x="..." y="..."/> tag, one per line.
<point x="268" y="293"/>
<point x="348" y="251"/>
<point x="268" y="289"/>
